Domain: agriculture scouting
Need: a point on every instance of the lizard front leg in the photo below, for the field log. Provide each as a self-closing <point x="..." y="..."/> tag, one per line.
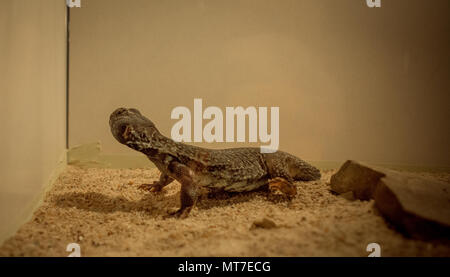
<point x="157" y="186"/>
<point x="189" y="189"/>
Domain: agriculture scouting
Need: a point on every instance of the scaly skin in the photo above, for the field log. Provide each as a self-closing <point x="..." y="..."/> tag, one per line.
<point x="233" y="170"/>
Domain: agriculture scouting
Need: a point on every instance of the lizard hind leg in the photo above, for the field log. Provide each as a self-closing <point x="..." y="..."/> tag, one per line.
<point x="281" y="186"/>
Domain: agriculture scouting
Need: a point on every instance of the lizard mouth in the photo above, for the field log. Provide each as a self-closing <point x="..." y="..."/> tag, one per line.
<point x="120" y="121"/>
<point x="119" y="129"/>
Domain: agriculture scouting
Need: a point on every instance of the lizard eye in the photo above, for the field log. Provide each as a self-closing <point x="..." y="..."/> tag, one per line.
<point x="135" y="111"/>
<point x="119" y="111"/>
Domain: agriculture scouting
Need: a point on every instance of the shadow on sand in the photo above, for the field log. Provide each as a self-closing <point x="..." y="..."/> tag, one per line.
<point x="101" y="203"/>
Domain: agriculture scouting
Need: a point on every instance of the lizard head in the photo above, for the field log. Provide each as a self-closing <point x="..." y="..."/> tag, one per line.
<point x="130" y="127"/>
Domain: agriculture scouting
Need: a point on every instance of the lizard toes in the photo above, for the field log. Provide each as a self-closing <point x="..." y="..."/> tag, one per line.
<point x="180" y="213"/>
<point x="155" y="187"/>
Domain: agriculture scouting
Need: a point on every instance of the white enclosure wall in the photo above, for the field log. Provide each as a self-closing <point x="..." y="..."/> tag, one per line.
<point x="351" y="82"/>
<point x="32" y="103"/>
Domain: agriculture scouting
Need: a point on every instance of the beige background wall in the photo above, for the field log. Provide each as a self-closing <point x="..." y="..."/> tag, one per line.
<point x="351" y="82"/>
<point x="32" y="103"/>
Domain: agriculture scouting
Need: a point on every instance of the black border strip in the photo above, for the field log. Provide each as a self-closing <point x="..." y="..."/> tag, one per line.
<point x="298" y="266"/>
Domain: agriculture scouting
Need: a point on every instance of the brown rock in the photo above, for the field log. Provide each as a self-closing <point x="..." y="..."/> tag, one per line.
<point x="349" y="195"/>
<point x="416" y="205"/>
<point x="356" y="177"/>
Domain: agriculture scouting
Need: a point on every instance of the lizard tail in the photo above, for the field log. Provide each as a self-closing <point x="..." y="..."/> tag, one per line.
<point x="302" y="171"/>
<point x="282" y="164"/>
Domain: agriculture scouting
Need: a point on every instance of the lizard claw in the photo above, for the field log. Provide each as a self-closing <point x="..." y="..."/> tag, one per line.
<point x="180" y="213"/>
<point x="154" y="187"/>
<point x="282" y="186"/>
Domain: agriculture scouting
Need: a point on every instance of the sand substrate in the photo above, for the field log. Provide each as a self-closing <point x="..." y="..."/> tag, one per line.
<point x="107" y="215"/>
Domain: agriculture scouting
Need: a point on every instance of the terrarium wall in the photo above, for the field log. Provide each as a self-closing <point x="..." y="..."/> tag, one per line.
<point x="32" y="103"/>
<point x="351" y="82"/>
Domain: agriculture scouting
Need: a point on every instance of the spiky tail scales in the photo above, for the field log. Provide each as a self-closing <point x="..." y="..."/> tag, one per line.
<point x="285" y="165"/>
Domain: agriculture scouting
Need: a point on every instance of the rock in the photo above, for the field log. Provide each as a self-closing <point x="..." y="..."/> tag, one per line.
<point x="416" y="205"/>
<point x="265" y="223"/>
<point x="349" y="195"/>
<point x="355" y="177"/>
